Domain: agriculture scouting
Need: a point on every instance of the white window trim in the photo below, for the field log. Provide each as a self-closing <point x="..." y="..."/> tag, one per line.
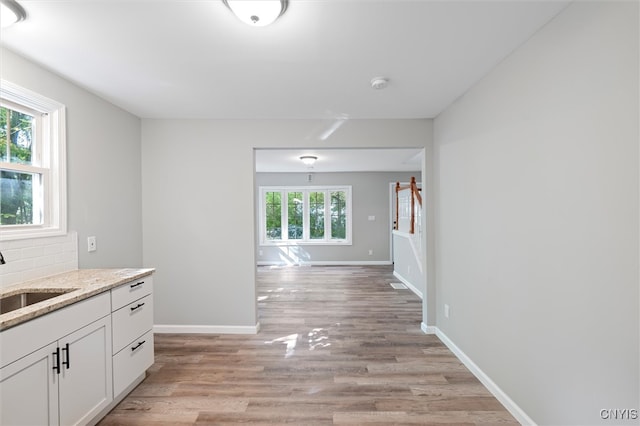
<point x="53" y="155"/>
<point x="327" y="223"/>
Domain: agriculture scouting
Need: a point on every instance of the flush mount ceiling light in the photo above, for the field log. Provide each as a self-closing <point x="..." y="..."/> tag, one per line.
<point x="379" y="82"/>
<point x="10" y="13"/>
<point x="308" y="159"/>
<point x="257" y="13"/>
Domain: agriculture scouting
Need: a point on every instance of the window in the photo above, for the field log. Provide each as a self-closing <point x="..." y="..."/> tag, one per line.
<point x="307" y="215"/>
<point x="32" y="164"/>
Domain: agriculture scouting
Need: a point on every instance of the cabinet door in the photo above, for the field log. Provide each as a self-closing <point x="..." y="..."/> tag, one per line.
<point x="29" y="390"/>
<point x="86" y="378"/>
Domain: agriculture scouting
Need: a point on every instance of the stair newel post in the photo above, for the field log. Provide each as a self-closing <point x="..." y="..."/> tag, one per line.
<point x="413" y="205"/>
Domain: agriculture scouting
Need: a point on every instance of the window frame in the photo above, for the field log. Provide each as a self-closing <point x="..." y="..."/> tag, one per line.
<point x="50" y="162"/>
<point x="306" y="239"/>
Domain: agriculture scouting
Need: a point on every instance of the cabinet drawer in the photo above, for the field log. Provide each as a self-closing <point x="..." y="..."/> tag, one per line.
<point x="132" y="321"/>
<point x="127" y="293"/>
<point x="132" y="361"/>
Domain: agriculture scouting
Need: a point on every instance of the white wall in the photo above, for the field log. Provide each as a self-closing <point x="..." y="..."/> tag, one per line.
<point x="204" y="170"/>
<point x="38" y="257"/>
<point x="407" y="262"/>
<point x="103" y="166"/>
<point x="537" y="218"/>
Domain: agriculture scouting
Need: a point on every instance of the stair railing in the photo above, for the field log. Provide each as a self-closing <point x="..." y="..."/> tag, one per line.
<point x="415" y="195"/>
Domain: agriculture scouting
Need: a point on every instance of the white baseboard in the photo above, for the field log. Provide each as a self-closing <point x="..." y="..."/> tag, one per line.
<point x="326" y="263"/>
<point x="500" y="395"/>
<point x="428" y="329"/>
<point x="408" y="284"/>
<point x="205" y="329"/>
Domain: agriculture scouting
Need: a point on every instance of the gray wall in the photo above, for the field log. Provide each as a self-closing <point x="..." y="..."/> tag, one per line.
<point x="370" y="197"/>
<point x="537" y="218"/>
<point x="206" y="264"/>
<point x="103" y="166"/>
<point x="407" y="266"/>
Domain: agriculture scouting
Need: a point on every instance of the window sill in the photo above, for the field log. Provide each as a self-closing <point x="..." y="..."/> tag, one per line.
<point x="305" y="243"/>
<point x="29" y="233"/>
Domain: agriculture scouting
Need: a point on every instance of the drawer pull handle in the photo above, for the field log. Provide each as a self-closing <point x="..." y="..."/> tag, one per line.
<point x="137" y="346"/>
<point x="136" y="284"/>
<point x="56" y="361"/>
<point x="140" y="305"/>
<point x="68" y="361"/>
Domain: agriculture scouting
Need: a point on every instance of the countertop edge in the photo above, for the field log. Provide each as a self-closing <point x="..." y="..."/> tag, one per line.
<point x="84" y="283"/>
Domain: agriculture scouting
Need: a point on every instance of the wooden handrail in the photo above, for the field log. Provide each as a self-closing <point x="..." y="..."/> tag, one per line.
<point x="415" y="191"/>
<point x="415" y="195"/>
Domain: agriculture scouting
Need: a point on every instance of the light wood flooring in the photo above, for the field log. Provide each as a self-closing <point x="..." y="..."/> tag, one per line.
<point x="337" y="346"/>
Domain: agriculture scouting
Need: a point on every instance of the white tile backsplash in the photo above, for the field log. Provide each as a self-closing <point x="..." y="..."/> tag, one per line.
<point x="38" y="257"/>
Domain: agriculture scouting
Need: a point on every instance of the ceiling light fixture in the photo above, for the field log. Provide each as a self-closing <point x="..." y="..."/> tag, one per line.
<point x="379" y="82"/>
<point x="10" y="13"/>
<point x="308" y="160"/>
<point x="257" y="13"/>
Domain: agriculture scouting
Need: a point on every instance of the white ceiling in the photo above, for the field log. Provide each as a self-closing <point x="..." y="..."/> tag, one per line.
<point x="340" y="160"/>
<point x="194" y="59"/>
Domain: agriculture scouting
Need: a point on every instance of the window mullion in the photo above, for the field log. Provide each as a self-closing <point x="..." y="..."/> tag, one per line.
<point x="285" y="215"/>
<point x="306" y="233"/>
<point x="327" y="215"/>
<point x="43" y="197"/>
<point x="42" y="155"/>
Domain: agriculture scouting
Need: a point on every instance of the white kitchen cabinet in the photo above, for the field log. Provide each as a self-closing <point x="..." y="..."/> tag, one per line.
<point x="71" y="366"/>
<point x="130" y="292"/>
<point x="85" y="384"/>
<point x="132" y="324"/>
<point x="132" y="361"/>
<point x="29" y="390"/>
<point x="68" y="380"/>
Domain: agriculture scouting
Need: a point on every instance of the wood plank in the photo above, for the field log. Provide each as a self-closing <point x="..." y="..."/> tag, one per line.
<point x="337" y="345"/>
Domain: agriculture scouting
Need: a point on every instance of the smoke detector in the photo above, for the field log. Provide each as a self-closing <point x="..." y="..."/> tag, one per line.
<point x="379" y="82"/>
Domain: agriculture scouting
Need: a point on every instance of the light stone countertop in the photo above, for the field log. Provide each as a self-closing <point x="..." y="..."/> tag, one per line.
<point x="86" y="282"/>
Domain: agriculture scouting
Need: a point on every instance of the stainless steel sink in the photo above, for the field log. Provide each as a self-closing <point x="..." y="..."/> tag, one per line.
<point x="28" y="297"/>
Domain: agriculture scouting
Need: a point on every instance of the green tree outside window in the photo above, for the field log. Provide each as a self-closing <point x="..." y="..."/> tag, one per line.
<point x="16" y="147"/>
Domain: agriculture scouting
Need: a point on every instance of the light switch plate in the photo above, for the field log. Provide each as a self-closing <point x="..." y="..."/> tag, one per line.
<point x="91" y="244"/>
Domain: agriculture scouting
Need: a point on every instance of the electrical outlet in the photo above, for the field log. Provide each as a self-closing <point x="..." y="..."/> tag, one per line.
<point x="259" y="252"/>
<point x="446" y="310"/>
<point x="91" y="244"/>
<point x="370" y="252"/>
